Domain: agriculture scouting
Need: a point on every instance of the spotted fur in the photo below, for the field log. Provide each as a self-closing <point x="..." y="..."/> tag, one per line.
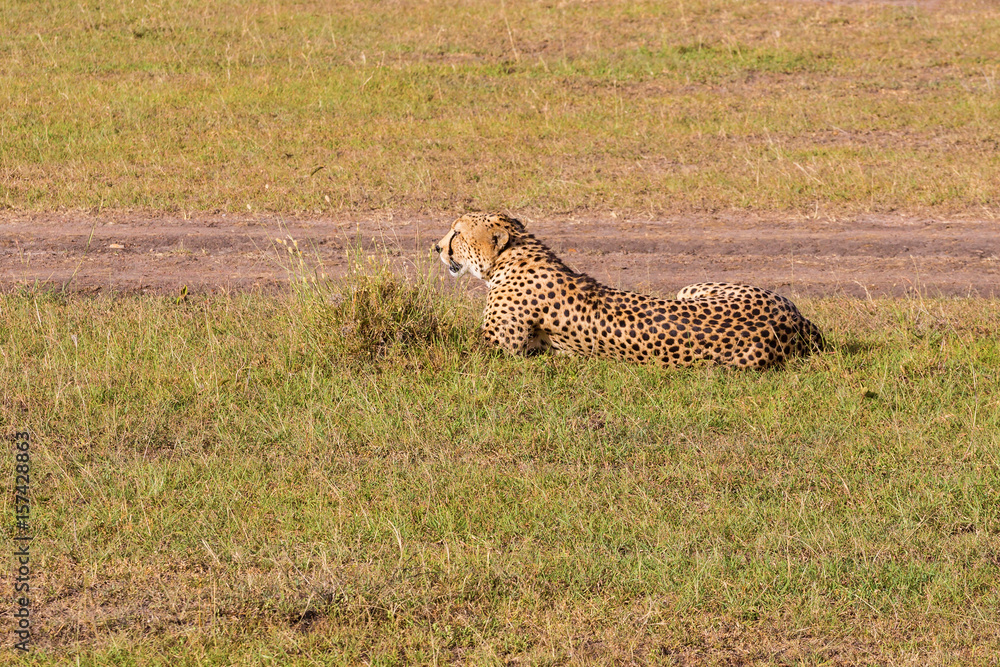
<point x="536" y="303"/>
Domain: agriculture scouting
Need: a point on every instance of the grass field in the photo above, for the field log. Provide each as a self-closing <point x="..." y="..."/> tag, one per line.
<point x="640" y="107"/>
<point x="345" y="475"/>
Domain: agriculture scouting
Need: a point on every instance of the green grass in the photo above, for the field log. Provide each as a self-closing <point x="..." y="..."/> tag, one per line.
<point x="346" y="475"/>
<point x="641" y="107"/>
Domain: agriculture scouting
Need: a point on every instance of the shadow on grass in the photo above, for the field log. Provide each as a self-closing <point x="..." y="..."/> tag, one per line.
<point x="855" y="346"/>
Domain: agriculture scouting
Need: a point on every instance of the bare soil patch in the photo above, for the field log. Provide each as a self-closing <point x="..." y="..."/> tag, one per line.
<point x="859" y="256"/>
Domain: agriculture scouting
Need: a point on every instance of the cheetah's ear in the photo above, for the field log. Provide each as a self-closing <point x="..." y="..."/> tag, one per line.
<point x="499" y="239"/>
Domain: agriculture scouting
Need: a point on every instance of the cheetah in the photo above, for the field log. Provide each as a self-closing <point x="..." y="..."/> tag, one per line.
<point x="537" y="303"/>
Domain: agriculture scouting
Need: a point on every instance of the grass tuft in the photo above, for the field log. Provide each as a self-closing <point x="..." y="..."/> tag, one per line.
<point x="378" y="314"/>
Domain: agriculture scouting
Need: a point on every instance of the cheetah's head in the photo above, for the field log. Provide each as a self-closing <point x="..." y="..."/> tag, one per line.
<point x="475" y="241"/>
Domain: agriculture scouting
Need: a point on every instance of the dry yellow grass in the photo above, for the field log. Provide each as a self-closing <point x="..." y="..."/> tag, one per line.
<point x="628" y="106"/>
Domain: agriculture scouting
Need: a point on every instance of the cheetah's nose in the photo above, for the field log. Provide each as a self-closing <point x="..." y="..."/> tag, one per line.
<point x="437" y="249"/>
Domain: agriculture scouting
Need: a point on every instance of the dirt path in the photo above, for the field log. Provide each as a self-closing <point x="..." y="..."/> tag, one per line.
<point x="858" y="256"/>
